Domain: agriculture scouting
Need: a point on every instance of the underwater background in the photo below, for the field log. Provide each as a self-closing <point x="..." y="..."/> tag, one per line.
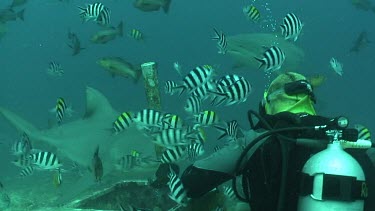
<point x="182" y="35"/>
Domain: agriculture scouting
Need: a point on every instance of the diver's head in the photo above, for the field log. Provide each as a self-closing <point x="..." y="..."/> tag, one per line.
<point x="289" y="92"/>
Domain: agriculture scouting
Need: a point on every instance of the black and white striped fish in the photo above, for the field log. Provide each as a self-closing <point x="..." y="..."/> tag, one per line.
<point x="196" y="78"/>
<point x="27" y="171"/>
<point x="172" y="137"/>
<point x="55" y="69"/>
<point x="45" y="160"/>
<point x="60" y="109"/>
<point x="136" y="34"/>
<point x="231" y="89"/>
<point x="148" y="118"/>
<point x="203" y="91"/>
<point x="363" y="132"/>
<point x="91" y="11"/>
<point x="229" y="193"/>
<point x="171" y="121"/>
<point x="221" y="41"/>
<point x="22" y="146"/>
<point x="291" y="27"/>
<point x="193" y="105"/>
<point x="207" y="118"/>
<point x="173" y="155"/>
<point x="273" y="59"/>
<point x="230" y="130"/>
<point x="23" y="161"/>
<point x="127" y="163"/>
<point x="194" y="150"/>
<point x="104" y="18"/>
<point x="122" y="122"/>
<point x="169" y="87"/>
<point x="251" y="13"/>
<point x="178" y="192"/>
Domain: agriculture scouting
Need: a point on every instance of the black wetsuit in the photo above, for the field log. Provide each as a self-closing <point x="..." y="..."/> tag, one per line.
<point x="265" y="167"/>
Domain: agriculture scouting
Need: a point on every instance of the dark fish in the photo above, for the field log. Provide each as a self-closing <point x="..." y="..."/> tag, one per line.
<point x="117" y="66"/>
<point x="10" y="15"/>
<point x="361" y="42"/>
<point x="97" y="166"/>
<point x="75" y="43"/>
<point x="152" y="5"/>
<point x="108" y="34"/>
<point x="364" y="5"/>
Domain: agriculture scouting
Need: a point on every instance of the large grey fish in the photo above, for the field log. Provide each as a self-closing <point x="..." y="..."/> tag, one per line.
<point x="11" y="15"/>
<point x="152" y="5"/>
<point x="361" y="42"/>
<point x="75" y="43"/>
<point x="118" y="66"/>
<point x="106" y="35"/>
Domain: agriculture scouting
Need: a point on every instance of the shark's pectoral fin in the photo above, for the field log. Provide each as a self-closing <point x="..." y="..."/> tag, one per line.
<point x="18" y="122"/>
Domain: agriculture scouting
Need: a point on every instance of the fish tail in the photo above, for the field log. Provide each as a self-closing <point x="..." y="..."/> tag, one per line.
<point x="283" y="29"/>
<point x="261" y="62"/>
<point x="217" y="35"/>
<point x="166" y="5"/>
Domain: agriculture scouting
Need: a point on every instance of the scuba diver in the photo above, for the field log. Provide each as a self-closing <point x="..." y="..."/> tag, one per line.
<point x="284" y="159"/>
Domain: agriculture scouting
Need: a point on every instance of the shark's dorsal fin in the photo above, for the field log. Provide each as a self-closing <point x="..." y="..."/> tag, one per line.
<point x="96" y="104"/>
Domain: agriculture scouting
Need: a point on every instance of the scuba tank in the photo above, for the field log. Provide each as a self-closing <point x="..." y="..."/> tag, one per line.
<point x="332" y="179"/>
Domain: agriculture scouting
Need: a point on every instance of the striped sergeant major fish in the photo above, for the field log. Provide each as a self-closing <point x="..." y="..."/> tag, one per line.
<point x="232" y="89"/>
<point x="97" y="12"/>
<point x="363" y="132"/>
<point x="173" y="155"/>
<point x="193" y="105"/>
<point x="178" y="192"/>
<point x="251" y="13"/>
<point x="272" y="60"/>
<point x="60" y="109"/>
<point x="207" y="118"/>
<point x="194" y="150"/>
<point x="221" y="42"/>
<point x="169" y="87"/>
<point x="122" y="122"/>
<point x="172" y="137"/>
<point x="127" y="163"/>
<point x="229" y="193"/>
<point x="203" y="91"/>
<point x="230" y="130"/>
<point x="136" y="34"/>
<point x="23" y="161"/>
<point x="45" y="160"/>
<point x="55" y="69"/>
<point x="148" y="118"/>
<point x="104" y="18"/>
<point x="22" y="146"/>
<point x="196" y="78"/>
<point x="171" y="121"/>
<point x="291" y="27"/>
<point x="27" y="171"/>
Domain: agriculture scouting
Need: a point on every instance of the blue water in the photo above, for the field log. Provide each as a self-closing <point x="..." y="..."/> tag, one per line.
<point x="182" y="35"/>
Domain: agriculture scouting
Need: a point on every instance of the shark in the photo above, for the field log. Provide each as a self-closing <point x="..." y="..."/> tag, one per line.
<point x="77" y="140"/>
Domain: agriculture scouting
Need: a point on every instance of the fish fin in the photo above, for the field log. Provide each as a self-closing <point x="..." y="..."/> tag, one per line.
<point x="166" y="5"/>
<point x="217" y="35"/>
<point x="283" y="29"/>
